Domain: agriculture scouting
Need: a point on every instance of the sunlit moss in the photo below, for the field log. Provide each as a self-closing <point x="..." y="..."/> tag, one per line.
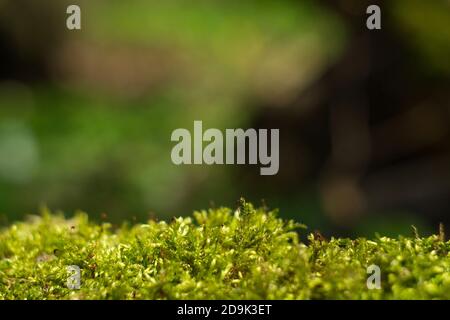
<point x="246" y="253"/>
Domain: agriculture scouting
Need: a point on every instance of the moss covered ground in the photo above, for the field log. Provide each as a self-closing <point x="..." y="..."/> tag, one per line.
<point x="248" y="253"/>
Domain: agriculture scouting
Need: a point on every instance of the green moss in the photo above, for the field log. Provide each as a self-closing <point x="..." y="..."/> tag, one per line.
<point x="219" y="254"/>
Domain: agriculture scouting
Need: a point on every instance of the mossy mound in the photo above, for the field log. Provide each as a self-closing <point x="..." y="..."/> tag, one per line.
<point x="219" y="254"/>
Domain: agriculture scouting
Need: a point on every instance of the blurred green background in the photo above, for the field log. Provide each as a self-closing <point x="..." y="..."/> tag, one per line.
<point x="86" y="116"/>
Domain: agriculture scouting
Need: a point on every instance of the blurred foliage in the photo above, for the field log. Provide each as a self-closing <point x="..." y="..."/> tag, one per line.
<point x="99" y="136"/>
<point x="86" y="117"/>
<point x="426" y="26"/>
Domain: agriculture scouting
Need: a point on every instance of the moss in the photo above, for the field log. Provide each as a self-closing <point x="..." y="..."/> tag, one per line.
<point x="218" y="254"/>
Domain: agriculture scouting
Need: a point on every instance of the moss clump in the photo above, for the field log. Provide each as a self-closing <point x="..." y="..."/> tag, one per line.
<point x="220" y="254"/>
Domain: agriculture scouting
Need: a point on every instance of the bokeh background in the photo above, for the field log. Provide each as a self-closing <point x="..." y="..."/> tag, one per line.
<point x="86" y="116"/>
